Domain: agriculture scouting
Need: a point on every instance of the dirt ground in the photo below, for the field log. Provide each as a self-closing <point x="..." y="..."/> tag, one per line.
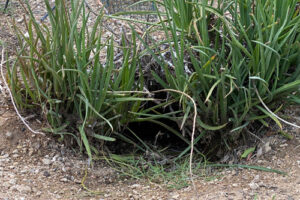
<point x="37" y="167"/>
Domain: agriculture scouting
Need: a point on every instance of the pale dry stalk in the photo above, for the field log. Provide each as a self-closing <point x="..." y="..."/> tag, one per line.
<point x="11" y="96"/>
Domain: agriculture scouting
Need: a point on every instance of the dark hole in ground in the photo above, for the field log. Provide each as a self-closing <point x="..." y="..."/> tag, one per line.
<point x="153" y="135"/>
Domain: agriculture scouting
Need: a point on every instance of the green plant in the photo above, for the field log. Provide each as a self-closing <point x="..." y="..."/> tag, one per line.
<point x="237" y="51"/>
<point x="229" y="56"/>
<point x="59" y="71"/>
<point x="174" y="175"/>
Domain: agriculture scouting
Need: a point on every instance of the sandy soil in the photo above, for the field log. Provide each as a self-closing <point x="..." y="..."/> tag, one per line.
<point x="37" y="167"/>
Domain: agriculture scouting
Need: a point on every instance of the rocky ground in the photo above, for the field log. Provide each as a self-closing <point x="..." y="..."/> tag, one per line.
<point x="38" y="167"/>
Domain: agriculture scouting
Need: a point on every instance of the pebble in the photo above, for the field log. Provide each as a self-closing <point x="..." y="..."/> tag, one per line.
<point x="21" y="188"/>
<point x="63" y="180"/>
<point x="6" y="185"/>
<point x="34" y="171"/>
<point x="46" y="174"/>
<point x="283" y="145"/>
<point x="15" y="151"/>
<point x="31" y="150"/>
<point x="26" y="35"/>
<point x="63" y="169"/>
<point x="4" y="156"/>
<point x="135" y="186"/>
<point x="46" y="161"/>
<point x="253" y="185"/>
<point x="20" y="20"/>
<point x="175" y="196"/>
<point x="267" y="147"/>
<point x="256" y="178"/>
<point x="12" y="181"/>
<point x="259" y="152"/>
<point x="9" y="135"/>
<point x="39" y="193"/>
<point x="77" y="181"/>
<point x="135" y="192"/>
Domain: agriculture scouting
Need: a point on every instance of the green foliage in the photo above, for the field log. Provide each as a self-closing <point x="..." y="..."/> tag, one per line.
<point x="247" y="152"/>
<point x="224" y="54"/>
<point x="59" y="70"/>
<point x="173" y="175"/>
<point x="234" y="48"/>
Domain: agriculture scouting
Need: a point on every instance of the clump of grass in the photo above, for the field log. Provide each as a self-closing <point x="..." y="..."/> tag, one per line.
<point x="226" y="55"/>
<point x="58" y="70"/>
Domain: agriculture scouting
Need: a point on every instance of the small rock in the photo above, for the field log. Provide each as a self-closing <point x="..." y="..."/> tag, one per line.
<point x="135" y="186"/>
<point x="60" y="159"/>
<point x="253" y="185"/>
<point x="39" y="193"/>
<point x="256" y="178"/>
<point x="26" y="35"/>
<point x="11" y="175"/>
<point x="20" y="20"/>
<point x="175" y="196"/>
<point x="34" y="171"/>
<point x="30" y="152"/>
<point x="63" y="169"/>
<point x="77" y="181"/>
<point x="267" y="147"/>
<point x="235" y="185"/>
<point x="283" y="145"/>
<point x="6" y="185"/>
<point x="15" y="156"/>
<point x="106" y="195"/>
<point x="21" y="188"/>
<point x="5" y="156"/>
<point x="46" y="174"/>
<point x="46" y="161"/>
<point x="9" y="135"/>
<point x="63" y="180"/>
<point x="12" y="181"/>
<point x="36" y="145"/>
<point x="70" y="178"/>
<point x="259" y="152"/>
<point x="135" y="192"/>
<point x="34" y="190"/>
